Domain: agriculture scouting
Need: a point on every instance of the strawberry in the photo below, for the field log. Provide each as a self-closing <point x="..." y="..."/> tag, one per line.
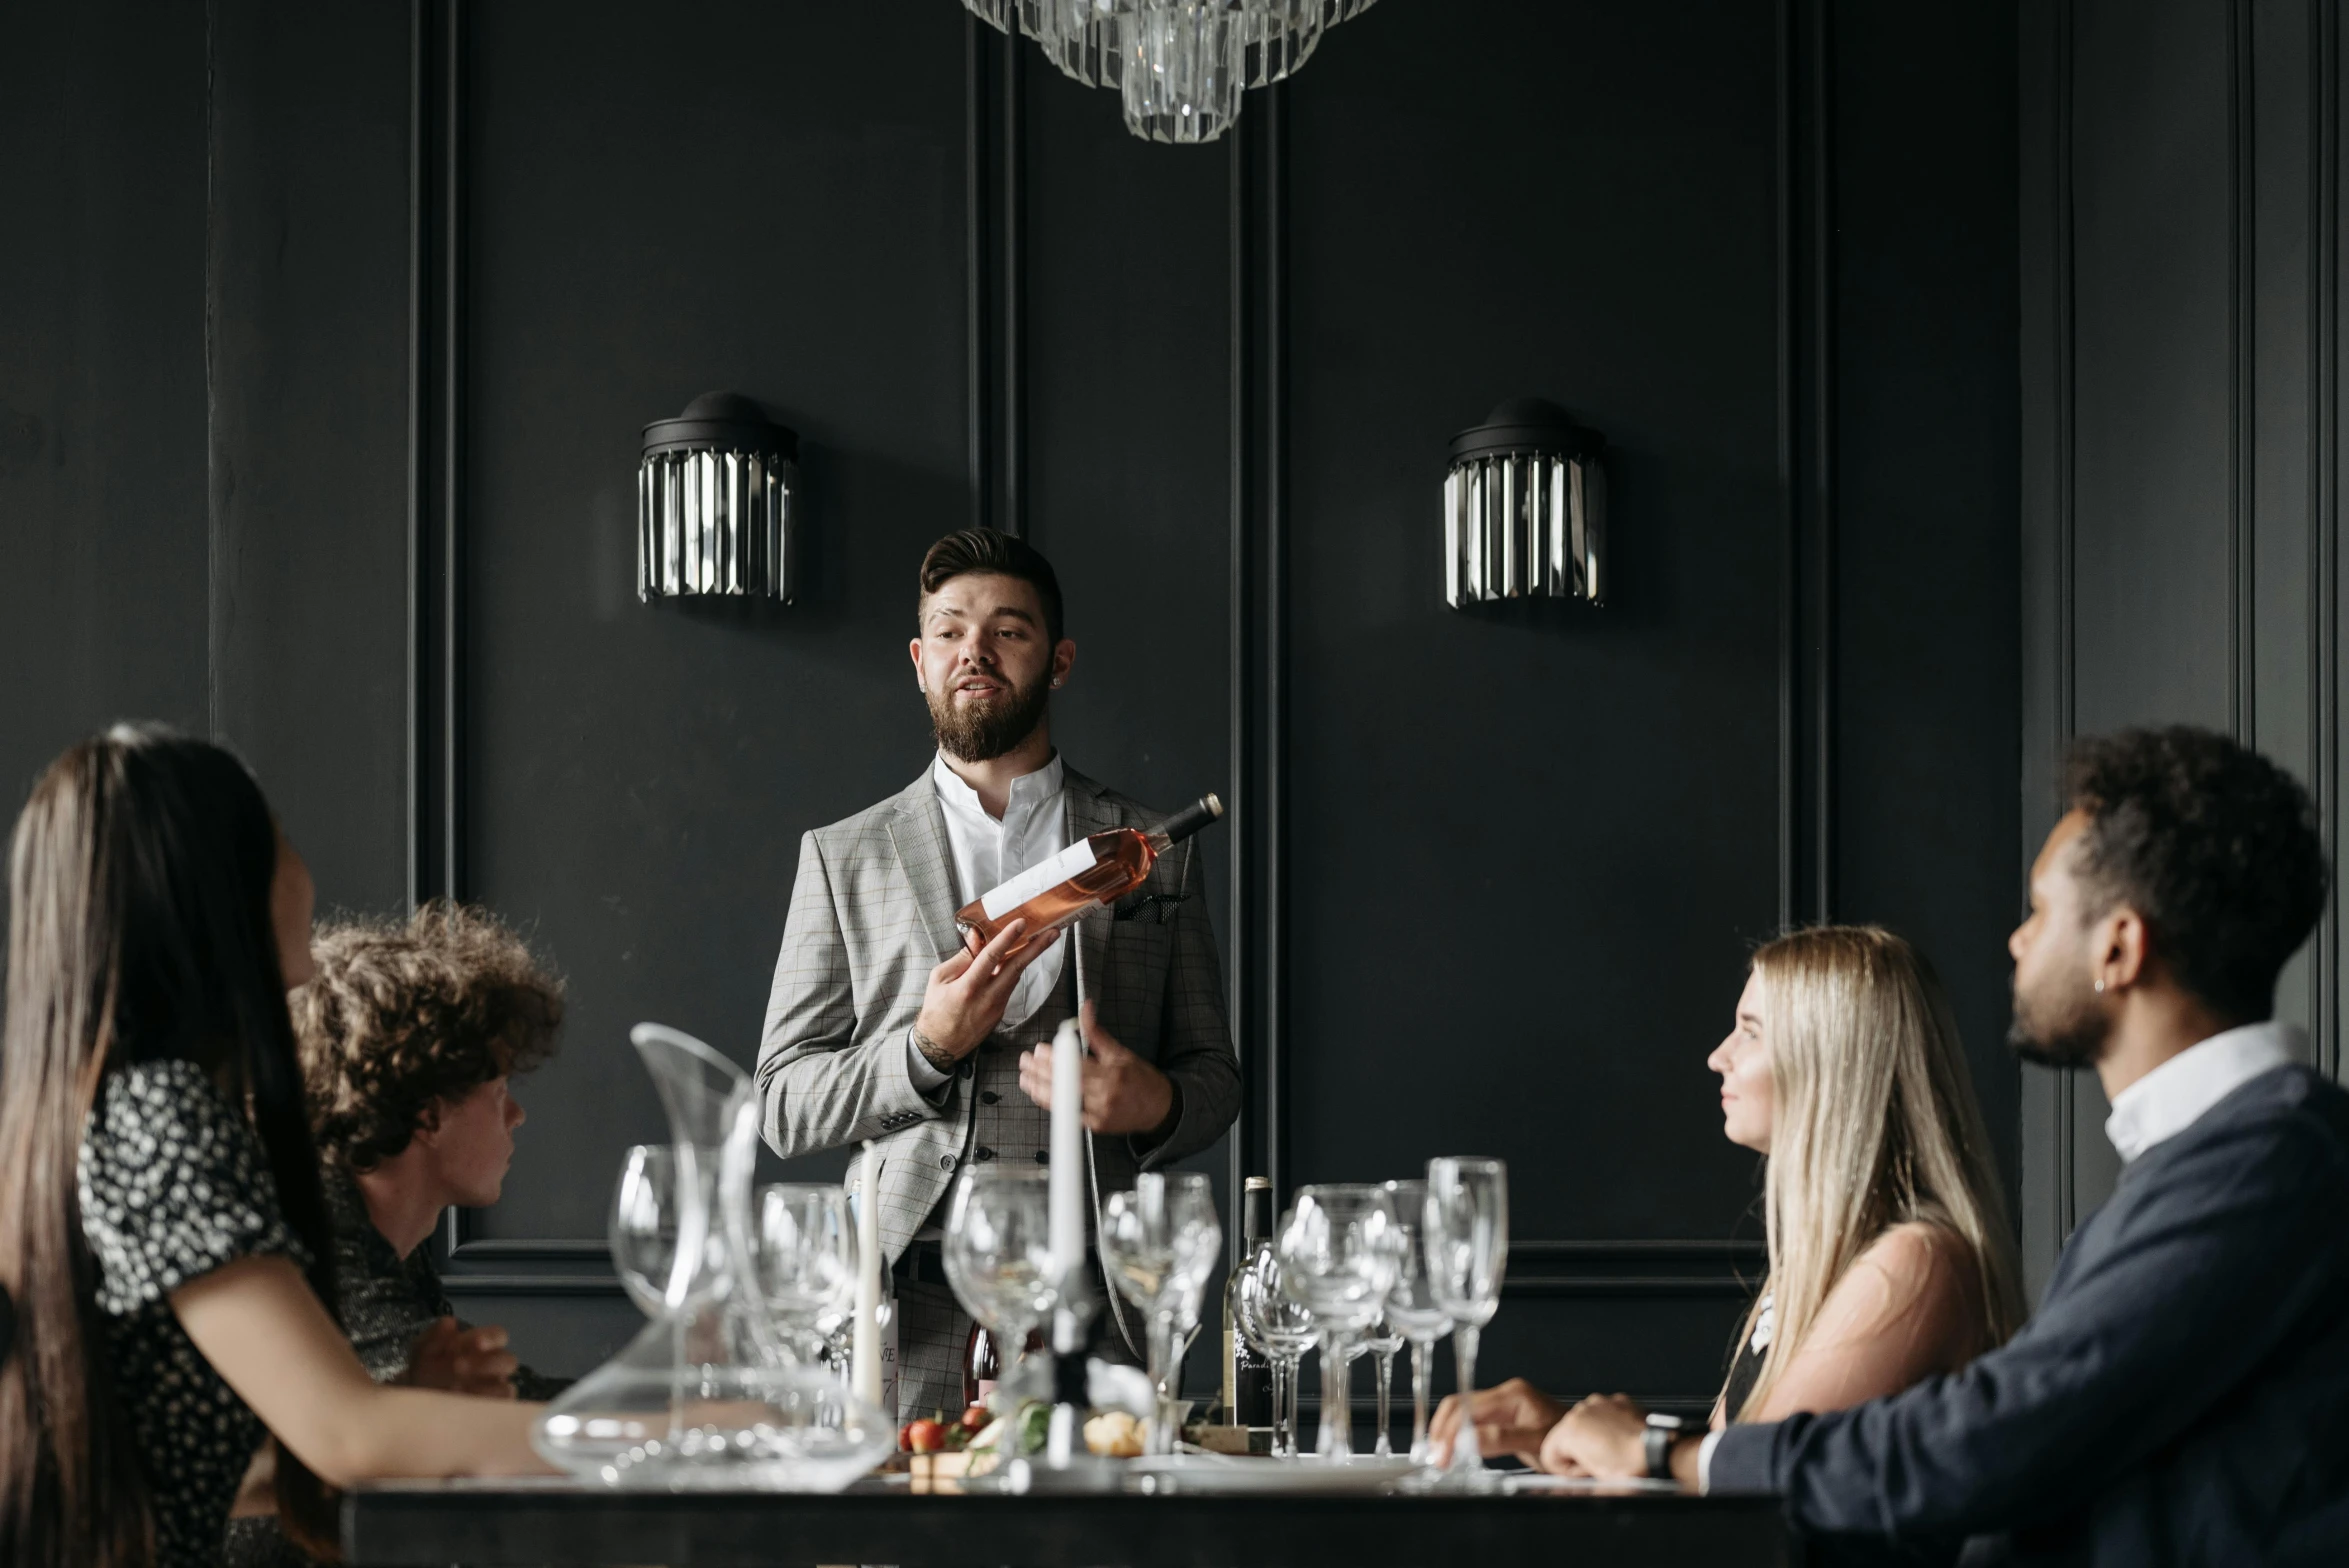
<point x="925" y="1436"/>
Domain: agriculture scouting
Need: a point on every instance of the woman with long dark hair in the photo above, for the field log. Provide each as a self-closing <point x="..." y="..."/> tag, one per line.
<point x="163" y="1241"/>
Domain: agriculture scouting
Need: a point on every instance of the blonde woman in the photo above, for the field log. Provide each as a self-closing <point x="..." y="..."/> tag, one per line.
<point x="1890" y="1257"/>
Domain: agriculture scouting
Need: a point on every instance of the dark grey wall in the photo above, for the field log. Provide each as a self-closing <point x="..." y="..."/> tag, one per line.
<point x="102" y="431"/>
<point x="2180" y="202"/>
<point x="1488" y="880"/>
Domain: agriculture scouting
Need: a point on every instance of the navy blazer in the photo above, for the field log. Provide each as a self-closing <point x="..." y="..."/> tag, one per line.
<point x="2182" y="1395"/>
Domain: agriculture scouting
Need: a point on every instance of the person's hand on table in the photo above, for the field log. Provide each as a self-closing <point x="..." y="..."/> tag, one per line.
<point x="965" y="996"/>
<point x="463" y="1360"/>
<point x="1511" y="1419"/>
<point x="1605" y="1435"/>
<point x="1123" y="1093"/>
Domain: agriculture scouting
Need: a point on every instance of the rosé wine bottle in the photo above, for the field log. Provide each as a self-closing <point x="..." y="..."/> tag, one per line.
<point x="1093" y="871"/>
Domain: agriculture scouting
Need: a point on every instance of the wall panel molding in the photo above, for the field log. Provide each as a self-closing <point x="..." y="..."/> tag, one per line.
<point x="995" y="250"/>
<point x="436" y="437"/>
<point x="2324" y="359"/>
<point x="1806" y="419"/>
<point x="1258" y="654"/>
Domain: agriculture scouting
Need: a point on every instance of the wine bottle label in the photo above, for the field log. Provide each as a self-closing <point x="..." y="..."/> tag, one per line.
<point x="1037" y="879"/>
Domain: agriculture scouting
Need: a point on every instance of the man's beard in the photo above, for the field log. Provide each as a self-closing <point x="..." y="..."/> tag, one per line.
<point x="2064" y="1029"/>
<point x="980" y="731"/>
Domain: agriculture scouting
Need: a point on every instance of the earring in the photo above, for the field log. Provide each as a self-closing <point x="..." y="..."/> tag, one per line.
<point x="2100" y="987"/>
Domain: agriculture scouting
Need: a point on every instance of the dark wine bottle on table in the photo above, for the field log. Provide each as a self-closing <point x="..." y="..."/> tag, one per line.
<point x="1097" y="870"/>
<point x="1247" y="1375"/>
<point x="982" y="1365"/>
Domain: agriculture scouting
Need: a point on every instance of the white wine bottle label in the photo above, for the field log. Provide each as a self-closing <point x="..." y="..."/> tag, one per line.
<point x="1036" y="879"/>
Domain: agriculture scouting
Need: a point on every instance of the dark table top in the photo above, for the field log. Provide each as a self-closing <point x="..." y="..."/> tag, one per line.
<point x="515" y="1524"/>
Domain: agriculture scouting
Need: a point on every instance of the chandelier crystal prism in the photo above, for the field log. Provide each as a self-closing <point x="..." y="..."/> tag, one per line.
<point x="1179" y="65"/>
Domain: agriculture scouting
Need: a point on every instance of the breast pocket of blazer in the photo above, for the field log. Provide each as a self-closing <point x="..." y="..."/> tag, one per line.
<point x="1141" y="934"/>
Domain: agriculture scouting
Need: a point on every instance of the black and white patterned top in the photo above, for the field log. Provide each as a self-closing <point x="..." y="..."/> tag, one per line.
<point x="174" y="1184"/>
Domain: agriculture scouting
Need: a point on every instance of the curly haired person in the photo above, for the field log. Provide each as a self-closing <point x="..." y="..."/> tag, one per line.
<point x="409" y="1036"/>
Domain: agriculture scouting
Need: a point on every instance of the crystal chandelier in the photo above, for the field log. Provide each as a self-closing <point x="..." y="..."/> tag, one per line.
<point x="1180" y="65"/>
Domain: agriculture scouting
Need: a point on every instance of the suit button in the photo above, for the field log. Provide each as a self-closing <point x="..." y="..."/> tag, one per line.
<point x="985" y="1154"/>
<point x="1043" y="1156"/>
<point x="946" y="1162"/>
<point x="988" y="1097"/>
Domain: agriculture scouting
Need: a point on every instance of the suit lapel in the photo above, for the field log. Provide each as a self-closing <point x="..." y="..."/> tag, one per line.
<point x="1088" y="814"/>
<point x="918" y="830"/>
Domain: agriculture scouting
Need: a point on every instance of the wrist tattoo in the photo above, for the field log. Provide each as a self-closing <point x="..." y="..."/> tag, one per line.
<point x="932" y="1052"/>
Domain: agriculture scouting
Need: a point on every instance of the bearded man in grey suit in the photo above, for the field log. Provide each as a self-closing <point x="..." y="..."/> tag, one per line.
<point x="883" y="1025"/>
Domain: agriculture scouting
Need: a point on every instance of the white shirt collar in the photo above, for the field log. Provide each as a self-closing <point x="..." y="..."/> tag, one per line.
<point x="1028" y="791"/>
<point x="2172" y="1097"/>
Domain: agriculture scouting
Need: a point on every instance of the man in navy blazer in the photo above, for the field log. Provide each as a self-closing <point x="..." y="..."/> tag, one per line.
<point x="2182" y="1395"/>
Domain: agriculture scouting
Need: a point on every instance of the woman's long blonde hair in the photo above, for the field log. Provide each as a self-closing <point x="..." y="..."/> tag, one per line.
<point x="1875" y="1125"/>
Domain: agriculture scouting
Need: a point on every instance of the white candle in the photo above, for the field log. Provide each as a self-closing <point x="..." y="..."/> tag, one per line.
<point x="865" y="1347"/>
<point x="1068" y="1151"/>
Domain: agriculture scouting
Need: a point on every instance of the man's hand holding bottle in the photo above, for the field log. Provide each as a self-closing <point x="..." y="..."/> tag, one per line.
<point x="966" y="995"/>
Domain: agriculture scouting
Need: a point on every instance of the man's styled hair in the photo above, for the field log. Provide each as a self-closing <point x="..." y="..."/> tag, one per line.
<point x="406" y="1013"/>
<point x="969" y="550"/>
<point x="2217" y="847"/>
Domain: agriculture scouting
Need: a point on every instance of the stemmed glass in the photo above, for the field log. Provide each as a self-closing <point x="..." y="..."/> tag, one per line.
<point x="1281" y="1329"/>
<point x="1412" y="1310"/>
<point x="1381" y="1343"/>
<point x="1158" y="1245"/>
<point x="999" y="1252"/>
<point x="1467" y="1245"/>
<point x="803" y="1260"/>
<point x="643" y="1228"/>
<point x="1339" y="1247"/>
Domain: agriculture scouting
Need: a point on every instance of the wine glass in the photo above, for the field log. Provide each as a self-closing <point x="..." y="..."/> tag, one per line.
<point x="643" y="1228"/>
<point x="1339" y="1248"/>
<point x="803" y="1259"/>
<point x="1412" y="1309"/>
<point x="999" y="1252"/>
<point x="1158" y="1245"/>
<point x="1381" y="1342"/>
<point x="1281" y="1329"/>
<point x="1467" y="1244"/>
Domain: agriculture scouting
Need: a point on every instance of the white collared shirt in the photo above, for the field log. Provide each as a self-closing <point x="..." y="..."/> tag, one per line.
<point x="987" y="853"/>
<point x="2172" y="1097"/>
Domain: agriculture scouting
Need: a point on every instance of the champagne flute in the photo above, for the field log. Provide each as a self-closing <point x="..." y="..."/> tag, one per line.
<point x="1412" y="1309"/>
<point x="1281" y="1329"/>
<point x="1467" y="1245"/>
<point x="643" y="1226"/>
<point x="1339" y="1248"/>
<point x="803" y="1259"/>
<point x="1158" y="1245"/>
<point x="999" y="1252"/>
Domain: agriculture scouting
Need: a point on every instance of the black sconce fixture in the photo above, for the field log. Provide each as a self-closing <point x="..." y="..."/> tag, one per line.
<point x="717" y="503"/>
<point x="1525" y="508"/>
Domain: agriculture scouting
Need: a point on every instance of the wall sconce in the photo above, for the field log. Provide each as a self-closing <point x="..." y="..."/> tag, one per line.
<point x="715" y="503"/>
<point x="1525" y="508"/>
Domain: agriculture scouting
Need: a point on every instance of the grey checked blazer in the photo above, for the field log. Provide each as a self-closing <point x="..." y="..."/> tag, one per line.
<point x="873" y="912"/>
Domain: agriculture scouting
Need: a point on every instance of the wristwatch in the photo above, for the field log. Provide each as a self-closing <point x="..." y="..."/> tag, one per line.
<point x="1660" y="1434"/>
